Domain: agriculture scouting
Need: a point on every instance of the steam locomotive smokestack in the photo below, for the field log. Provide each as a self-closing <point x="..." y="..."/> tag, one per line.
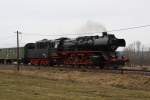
<point x="104" y="33"/>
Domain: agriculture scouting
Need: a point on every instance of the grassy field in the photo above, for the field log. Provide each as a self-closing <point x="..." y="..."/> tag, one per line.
<point x="56" y="84"/>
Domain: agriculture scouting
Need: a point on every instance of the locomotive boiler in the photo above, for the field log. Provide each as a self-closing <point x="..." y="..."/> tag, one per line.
<point x="106" y="42"/>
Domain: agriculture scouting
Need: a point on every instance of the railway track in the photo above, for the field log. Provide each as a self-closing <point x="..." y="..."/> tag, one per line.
<point x="134" y="71"/>
<point x="87" y="69"/>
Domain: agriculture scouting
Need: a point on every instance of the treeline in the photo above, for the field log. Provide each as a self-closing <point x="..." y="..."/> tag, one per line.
<point x="138" y="54"/>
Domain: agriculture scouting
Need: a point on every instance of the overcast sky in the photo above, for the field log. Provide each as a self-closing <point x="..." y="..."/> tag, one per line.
<point x="36" y="18"/>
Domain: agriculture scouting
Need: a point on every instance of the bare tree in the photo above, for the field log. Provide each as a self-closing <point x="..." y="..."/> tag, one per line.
<point x="138" y="54"/>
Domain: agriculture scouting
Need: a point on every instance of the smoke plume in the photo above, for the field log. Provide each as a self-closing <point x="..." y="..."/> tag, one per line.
<point x="92" y="27"/>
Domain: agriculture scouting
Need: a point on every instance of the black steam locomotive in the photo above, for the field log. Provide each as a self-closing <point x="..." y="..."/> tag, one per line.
<point x="82" y="51"/>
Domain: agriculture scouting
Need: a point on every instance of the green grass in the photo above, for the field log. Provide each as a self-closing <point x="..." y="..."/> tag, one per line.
<point x="20" y="86"/>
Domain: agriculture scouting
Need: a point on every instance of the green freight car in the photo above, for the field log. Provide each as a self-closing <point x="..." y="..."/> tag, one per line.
<point x="9" y="55"/>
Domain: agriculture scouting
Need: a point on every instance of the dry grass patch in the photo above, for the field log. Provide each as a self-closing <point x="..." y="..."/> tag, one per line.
<point x="104" y="79"/>
<point x="56" y="84"/>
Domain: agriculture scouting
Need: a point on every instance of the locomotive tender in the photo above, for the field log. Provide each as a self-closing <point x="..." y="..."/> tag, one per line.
<point x="86" y="50"/>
